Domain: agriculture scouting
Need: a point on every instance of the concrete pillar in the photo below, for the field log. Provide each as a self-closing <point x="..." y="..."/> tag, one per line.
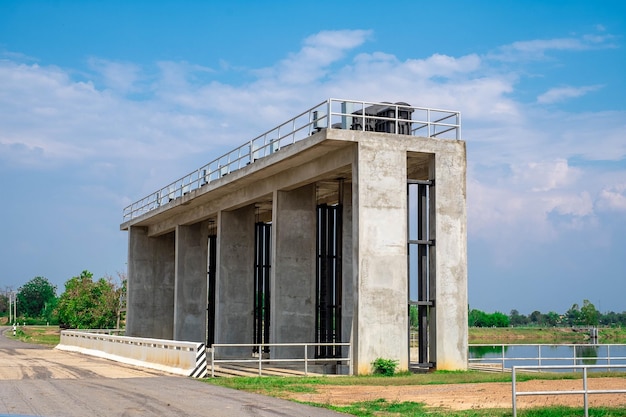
<point x="448" y="347"/>
<point x="380" y="205"/>
<point x="348" y="277"/>
<point x="234" y="319"/>
<point x="294" y="226"/>
<point x="150" y="304"/>
<point x="190" y="300"/>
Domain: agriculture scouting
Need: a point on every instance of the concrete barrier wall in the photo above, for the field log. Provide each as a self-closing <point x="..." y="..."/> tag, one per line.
<point x="182" y="358"/>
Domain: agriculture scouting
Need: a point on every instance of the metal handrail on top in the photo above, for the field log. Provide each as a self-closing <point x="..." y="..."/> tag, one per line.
<point x="397" y="118"/>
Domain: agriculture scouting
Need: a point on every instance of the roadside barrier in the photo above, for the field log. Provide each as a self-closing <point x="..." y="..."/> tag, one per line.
<point x="181" y="358"/>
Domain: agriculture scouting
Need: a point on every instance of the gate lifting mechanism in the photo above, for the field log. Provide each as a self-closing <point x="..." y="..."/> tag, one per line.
<point x="262" y="265"/>
<point x="421" y="283"/>
<point x="329" y="280"/>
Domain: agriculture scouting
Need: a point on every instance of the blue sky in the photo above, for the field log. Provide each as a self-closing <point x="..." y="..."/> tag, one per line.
<point x="102" y="103"/>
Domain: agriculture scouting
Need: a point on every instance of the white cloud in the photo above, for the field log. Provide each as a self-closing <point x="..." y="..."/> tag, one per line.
<point x="319" y="51"/>
<point x="613" y="198"/>
<point x="558" y="94"/>
<point x="538" y="48"/>
<point x="187" y="116"/>
<point x="545" y="176"/>
<point x="117" y="76"/>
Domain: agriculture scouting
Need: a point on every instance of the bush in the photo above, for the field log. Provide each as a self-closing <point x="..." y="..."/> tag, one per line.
<point x="386" y="367"/>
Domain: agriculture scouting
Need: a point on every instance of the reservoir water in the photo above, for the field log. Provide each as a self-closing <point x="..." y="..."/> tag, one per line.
<point x="537" y="355"/>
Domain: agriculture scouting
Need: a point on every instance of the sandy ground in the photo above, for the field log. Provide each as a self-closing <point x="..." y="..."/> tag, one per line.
<point x="473" y="396"/>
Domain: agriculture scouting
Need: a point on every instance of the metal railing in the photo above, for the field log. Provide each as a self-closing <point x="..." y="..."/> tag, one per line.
<point x="260" y="360"/>
<point x="580" y="353"/>
<point x="396" y="118"/>
<point x="585" y="392"/>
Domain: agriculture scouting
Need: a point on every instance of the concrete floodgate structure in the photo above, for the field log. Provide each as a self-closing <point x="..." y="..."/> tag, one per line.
<point x="332" y="228"/>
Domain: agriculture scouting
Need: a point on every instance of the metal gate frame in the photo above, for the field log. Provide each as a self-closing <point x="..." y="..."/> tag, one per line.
<point x="328" y="280"/>
<point x="420" y="241"/>
<point x="262" y="271"/>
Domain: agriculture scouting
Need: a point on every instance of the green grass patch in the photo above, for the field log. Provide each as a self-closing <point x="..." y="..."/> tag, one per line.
<point x="277" y="385"/>
<point x="39" y="335"/>
<point x="550" y="335"/>
<point x="283" y="386"/>
<point x="381" y="407"/>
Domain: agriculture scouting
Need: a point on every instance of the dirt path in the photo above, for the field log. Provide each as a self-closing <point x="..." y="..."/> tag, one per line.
<point x="472" y="396"/>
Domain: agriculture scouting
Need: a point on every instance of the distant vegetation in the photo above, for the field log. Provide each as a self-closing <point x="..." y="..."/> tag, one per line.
<point x="576" y="316"/>
<point x="85" y="303"/>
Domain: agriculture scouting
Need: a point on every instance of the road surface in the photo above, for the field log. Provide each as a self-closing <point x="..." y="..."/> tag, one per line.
<point x="39" y="381"/>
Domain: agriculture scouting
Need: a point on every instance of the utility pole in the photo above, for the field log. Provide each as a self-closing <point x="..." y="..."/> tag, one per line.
<point x="9" y="298"/>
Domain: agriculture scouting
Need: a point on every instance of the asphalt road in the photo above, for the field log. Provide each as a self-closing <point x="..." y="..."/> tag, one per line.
<point x="39" y="381"/>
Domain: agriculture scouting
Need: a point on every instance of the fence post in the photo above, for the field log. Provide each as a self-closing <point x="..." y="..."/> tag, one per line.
<point x="306" y="360"/>
<point x="586" y="394"/>
<point x="502" y="346"/>
<point x="260" y="357"/>
<point x="514" y="400"/>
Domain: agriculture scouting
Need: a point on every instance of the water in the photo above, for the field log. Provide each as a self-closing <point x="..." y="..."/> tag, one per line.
<point x="535" y="355"/>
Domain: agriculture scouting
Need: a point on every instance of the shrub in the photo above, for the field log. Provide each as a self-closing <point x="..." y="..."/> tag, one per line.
<point x="386" y="367"/>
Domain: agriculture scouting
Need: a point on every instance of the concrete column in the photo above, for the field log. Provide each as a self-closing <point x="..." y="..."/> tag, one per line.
<point x="448" y="347"/>
<point x="190" y="302"/>
<point x="150" y="304"/>
<point x="293" y="269"/>
<point x="234" y="319"/>
<point x="380" y="205"/>
<point x="348" y="276"/>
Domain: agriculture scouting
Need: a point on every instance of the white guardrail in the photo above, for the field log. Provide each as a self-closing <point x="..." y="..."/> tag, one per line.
<point x="181" y="358"/>
<point x="397" y="118"/>
<point x="260" y="360"/>
<point x="585" y="391"/>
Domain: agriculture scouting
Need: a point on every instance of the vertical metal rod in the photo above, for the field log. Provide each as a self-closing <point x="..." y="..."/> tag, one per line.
<point x="502" y="358"/>
<point x="306" y="360"/>
<point x="514" y="396"/>
<point x="260" y="357"/>
<point x="328" y="113"/>
<point x="586" y="392"/>
<point x="212" y="362"/>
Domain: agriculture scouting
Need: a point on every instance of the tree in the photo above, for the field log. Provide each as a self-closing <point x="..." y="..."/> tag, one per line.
<point x="87" y="304"/>
<point x="536" y="318"/>
<point x="478" y="318"/>
<point x="572" y="316"/>
<point x="589" y="316"/>
<point x="552" y="318"/>
<point x="499" y="319"/>
<point x="33" y="297"/>
<point x="517" y="319"/>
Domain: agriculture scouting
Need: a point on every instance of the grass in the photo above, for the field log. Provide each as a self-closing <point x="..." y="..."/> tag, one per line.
<point x="283" y="386"/>
<point x="532" y="335"/>
<point x="278" y="386"/>
<point x="40" y="335"/>
<point x="412" y="409"/>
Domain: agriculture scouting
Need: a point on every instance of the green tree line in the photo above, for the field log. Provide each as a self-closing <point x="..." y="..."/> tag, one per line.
<point x="586" y="315"/>
<point x="85" y="304"/>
